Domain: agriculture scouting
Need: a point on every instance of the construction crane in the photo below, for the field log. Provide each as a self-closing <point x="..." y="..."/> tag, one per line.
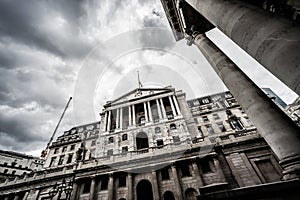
<point x="45" y="151"/>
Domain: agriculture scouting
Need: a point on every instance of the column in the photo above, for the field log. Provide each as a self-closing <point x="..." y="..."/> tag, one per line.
<point x="146" y="113"/>
<point x="272" y="41"/>
<point x="26" y="195"/>
<point x="121" y="118"/>
<point x="133" y="115"/>
<point x="110" y="187"/>
<point x="163" y="109"/>
<point x="219" y="169"/>
<point x="92" y="190"/>
<point x="274" y="125"/>
<point x="176" y="105"/>
<point x="74" y="191"/>
<point x="172" y="107"/>
<point x="155" y="186"/>
<point x="129" y="186"/>
<point x="158" y="109"/>
<point x="105" y="121"/>
<point x="197" y="173"/>
<point x="176" y="181"/>
<point x="150" y="112"/>
<point x="16" y="197"/>
<point x="118" y="119"/>
<point x="109" y="120"/>
<point x="129" y="115"/>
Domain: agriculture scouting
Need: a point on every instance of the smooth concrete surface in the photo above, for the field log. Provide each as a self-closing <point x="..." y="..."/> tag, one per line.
<point x="272" y="41"/>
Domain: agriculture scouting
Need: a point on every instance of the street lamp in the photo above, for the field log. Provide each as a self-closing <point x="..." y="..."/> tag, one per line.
<point x="63" y="187"/>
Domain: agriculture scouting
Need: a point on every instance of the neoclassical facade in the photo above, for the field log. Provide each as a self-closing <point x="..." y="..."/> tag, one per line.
<point x="152" y="143"/>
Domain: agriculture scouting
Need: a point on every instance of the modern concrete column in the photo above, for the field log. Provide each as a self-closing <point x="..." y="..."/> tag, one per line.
<point x="121" y="118"/>
<point x="176" y="105"/>
<point x="110" y="187"/>
<point x="109" y="120"/>
<point x="118" y="118"/>
<point x="26" y="195"/>
<point x="197" y="173"/>
<point x="274" y="125"/>
<point x="129" y="186"/>
<point x="129" y="115"/>
<point x="150" y="112"/>
<point x="155" y="186"/>
<point x="133" y="115"/>
<point x="271" y="40"/>
<point x="92" y="190"/>
<point x="176" y="182"/>
<point x="146" y="112"/>
<point x="163" y="109"/>
<point x="74" y="191"/>
<point x="158" y="109"/>
<point x="172" y="106"/>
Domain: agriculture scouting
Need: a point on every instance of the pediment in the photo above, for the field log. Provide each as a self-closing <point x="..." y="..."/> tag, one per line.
<point x="140" y="93"/>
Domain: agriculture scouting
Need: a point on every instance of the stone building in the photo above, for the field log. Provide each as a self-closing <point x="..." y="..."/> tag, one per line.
<point x="293" y="110"/>
<point x="152" y="143"/>
<point x="13" y="164"/>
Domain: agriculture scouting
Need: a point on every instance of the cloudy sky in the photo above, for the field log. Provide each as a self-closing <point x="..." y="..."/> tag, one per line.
<point x="51" y="50"/>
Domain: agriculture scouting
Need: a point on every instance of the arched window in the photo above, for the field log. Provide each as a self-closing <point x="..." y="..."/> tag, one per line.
<point x="124" y="137"/>
<point x="191" y="194"/>
<point x="157" y="130"/>
<point x="110" y="140"/>
<point x="172" y="126"/>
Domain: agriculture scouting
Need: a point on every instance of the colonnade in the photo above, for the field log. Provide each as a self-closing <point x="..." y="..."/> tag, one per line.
<point x="149" y="106"/>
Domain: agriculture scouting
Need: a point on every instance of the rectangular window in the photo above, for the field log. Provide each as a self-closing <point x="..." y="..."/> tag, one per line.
<point x="70" y="158"/>
<point x="160" y="143"/>
<point x="125" y="149"/>
<point x="205" y="119"/>
<point x="56" y="150"/>
<point x="176" y="139"/>
<point x="93" y="143"/>
<point x="205" y="166"/>
<point x="110" y="152"/>
<point x="210" y="129"/>
<point x="185" y="170"/>
<point x="221" y="127"/>
<point x="216" y="116"/>
<point x="86" y="187"/>
<point x="196" y="103"/>
<point x="64" y="149"/>
<point x="165" y="174"/>
<point x="122" y="181"/>
<point x="200" y="133"/>
<point x="104" y="183"/>
<point x="92" y="153"/>
<point x="52" y="162"/>
<point x="72" y="147"/>
<point x="61" y="160"/>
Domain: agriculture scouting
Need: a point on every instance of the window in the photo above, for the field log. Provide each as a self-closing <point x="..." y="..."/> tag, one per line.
<point x="185" y="170"/>
<point x="72" y="147"/>
<point x="110" y="152"/>
<point x="196" y="103"/>
<point x="86" y="187"/>
<point x="56" y="150"/>
<point x="157" y="130"/>
<point x="93" y="143"/>
<point x="228" y="112"/>
<point x="124" y="137"/>
<point x="155" y="119"/>
<point x="235" y="124"/>
<point x="125" y="149"/>
<point x="142" y="120"/>
<point x="160" y="143"/>
<point x="172" y="126"/>
<point x="70" y="158"/>
<point x="176" y="139"/>
<point x="200" y="131"/>
<point x="210" y="129"/>
<point x="205" y="119"/>
<point x="52" y="162"/>
<point x="92" y="153"/>
<point x="64" y="149"/>
<point x="110" y="140"/>
<point x="13" y="172"/>
<point x="5" y="171"/>
<point x="205" y="101"/>
<point x="165" y="174"/>
<point x="216" y="116"/>
<point x="104" y="183"/>
<point x="122" y="181"/>
<point x="61" y="160"/>
<point x="221" y="127"/>
<point x="205" y="166"/>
